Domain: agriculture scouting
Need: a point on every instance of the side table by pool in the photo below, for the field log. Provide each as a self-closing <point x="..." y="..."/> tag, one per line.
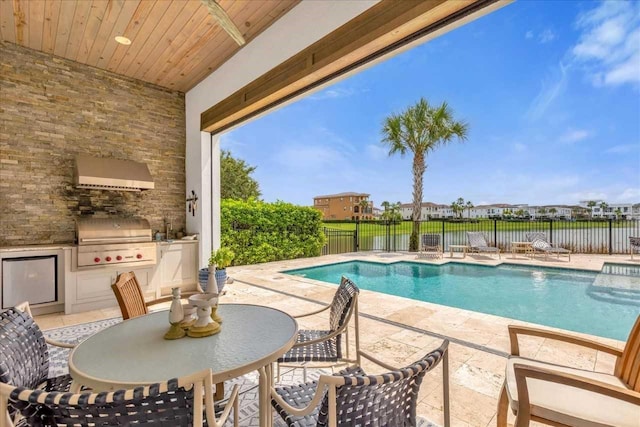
<point x="457" y="248"/>
<point x="524" y="247"/>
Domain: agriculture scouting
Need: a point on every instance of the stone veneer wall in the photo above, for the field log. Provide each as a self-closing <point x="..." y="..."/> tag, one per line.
<point x="52" y="109"/>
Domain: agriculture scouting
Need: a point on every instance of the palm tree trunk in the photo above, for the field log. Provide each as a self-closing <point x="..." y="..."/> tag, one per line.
<point x="418" y="174"/>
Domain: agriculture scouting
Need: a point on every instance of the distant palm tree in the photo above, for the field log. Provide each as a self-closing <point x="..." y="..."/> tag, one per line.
<point x="469" y="206"/>
<point x="603" y="206"/>
<point x="421" y="128"/>
<point x="618" y="213"/>
<point x="385" y="205"/>
<point x="364" y="207"/>
<point x="542" y="211"/>
<point x="553" y="211"/>
<point x="591" y="204"/>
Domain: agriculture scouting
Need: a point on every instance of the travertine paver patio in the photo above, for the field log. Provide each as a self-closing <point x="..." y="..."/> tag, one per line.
<point x="400" y="330"/>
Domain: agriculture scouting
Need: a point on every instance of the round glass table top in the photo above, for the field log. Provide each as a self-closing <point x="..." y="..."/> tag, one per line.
<point x="135" y="352"/>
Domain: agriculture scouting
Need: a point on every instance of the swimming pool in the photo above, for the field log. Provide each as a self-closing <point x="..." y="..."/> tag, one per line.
<point x="562" y="298"/>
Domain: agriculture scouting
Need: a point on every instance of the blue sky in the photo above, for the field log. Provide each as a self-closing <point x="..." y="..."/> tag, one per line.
<point x="550" y="89"/>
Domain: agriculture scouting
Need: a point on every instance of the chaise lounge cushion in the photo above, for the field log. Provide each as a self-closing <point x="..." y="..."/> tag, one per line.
<point x="569" y="405"/>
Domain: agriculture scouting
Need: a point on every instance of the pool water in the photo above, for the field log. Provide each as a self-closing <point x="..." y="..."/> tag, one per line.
<point x="556" y="297"/>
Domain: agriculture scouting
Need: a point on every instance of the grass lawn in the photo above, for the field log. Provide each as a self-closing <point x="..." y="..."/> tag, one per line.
<point x="373" y="228"/>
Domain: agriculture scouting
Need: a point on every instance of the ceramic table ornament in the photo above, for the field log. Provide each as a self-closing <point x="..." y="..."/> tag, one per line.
<point x="189" y="316"/>
<point x="205" y="325"/>
<point x="176" y="315"/>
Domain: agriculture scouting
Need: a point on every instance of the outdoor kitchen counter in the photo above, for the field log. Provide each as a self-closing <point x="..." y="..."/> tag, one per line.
<point x="46" y="247"/>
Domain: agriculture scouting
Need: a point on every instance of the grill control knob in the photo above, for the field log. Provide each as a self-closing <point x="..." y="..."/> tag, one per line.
<point x="108" y="259"/>
<point x="96" y="259"/>
<point x="119" y="258"/>
<point x="139" y="256"/>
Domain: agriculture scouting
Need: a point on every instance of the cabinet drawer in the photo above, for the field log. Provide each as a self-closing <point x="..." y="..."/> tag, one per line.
<point x="95" y="285"/>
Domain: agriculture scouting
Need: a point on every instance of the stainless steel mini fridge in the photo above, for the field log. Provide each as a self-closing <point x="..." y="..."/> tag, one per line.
<point x="31" y="279"/>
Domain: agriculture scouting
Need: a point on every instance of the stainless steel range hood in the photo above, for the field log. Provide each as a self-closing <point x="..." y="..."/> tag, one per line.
<point x="104" y="173"/>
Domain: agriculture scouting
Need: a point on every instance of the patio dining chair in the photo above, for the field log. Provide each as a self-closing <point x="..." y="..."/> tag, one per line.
<point x="539" y="243"/>
<point x="478" y="243"/>
<point x="354" y="398"/>
<point x="430" y="245"/>
<point x="25" y="355"/>
<point x="131" y="299"/>
<point x="567" y="396"/>
<point x="326" y="346"/>
<point x="176" y="402"/>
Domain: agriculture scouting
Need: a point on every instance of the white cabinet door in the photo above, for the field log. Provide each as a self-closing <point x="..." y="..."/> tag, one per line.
<point x="144" y="277"/>
<point x="178" y="265"/>
<point x="95" y="285"/>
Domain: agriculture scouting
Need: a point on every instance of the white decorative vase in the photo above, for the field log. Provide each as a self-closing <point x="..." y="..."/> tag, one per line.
<point x="175" y="317"/>
<point x="212" y="286"/>
<point x="176" y="314"/>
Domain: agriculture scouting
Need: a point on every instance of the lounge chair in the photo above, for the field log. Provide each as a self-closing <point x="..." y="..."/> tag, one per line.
<point x="634" y="245"/>
<point x="539" y="243"/>
<point x="478" y="243"/>
<point x="561" y="395"/>
<point x="430" y="243"/>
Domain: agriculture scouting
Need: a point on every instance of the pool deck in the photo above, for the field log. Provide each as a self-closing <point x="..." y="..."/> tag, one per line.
<point x="400" y="330"/>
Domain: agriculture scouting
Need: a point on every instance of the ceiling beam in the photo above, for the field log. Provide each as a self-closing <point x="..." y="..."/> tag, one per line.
<point x="386" y="26"/>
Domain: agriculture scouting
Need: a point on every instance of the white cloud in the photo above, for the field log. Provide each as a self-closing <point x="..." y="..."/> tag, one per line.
<point x="377" y="152"/>
<point x="628" y="195"/>
<point x="519" y="147"/>
<point x="609" y="44"/>
<point x="552" y="86"/>
<point x="623" y="148"/>
<point x="528" y="35"/>
<point x="332" y="93"/>
<point x="546" y="36"/>
<point x="575" y="135"/>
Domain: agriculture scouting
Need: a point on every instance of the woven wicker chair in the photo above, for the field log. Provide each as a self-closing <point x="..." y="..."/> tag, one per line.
<point x="430" y="244"/>
<point x="130" y="297"/>
<point x="177" y="402"/>
<point x="326" y="346"/>
<point x="354" y="398"/>
<point x="25" y="356"/>
<point x="478" y="243"/>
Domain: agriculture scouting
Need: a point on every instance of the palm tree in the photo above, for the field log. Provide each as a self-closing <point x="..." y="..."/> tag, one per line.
<point x="618" y="213"/>
<point x="553" y="211"/>
<point x="542" y="211"/>
<point x="469" y="206"/>
<point x="603" y="206"/>
<point x="364" y="207"/>
<point x="591" y="204"/>
<point x="385" y="205"/>
<point x="421" y="128"/>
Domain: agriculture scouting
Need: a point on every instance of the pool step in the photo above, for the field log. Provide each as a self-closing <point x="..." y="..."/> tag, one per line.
<point x="616" y="289"/>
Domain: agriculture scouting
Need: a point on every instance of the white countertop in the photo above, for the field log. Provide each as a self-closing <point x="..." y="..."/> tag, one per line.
<point x="44" y="247"/>
<point x="62" y="246"/>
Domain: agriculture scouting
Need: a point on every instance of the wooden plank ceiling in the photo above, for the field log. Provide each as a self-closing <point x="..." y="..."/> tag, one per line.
<point x="174" y="43"/>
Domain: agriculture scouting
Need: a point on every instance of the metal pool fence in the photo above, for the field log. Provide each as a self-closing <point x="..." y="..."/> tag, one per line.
<point x="581" y="236"/>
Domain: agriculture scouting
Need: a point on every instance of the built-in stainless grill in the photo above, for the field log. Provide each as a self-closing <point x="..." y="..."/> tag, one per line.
<point x="108" y="241"/>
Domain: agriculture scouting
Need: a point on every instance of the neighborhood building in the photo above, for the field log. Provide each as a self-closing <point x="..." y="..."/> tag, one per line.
<point x="499" y="210"/>
<point x="349" y="205"/>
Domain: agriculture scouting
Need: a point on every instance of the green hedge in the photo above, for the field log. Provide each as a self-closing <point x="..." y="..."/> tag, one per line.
<point x="262" y="232"/>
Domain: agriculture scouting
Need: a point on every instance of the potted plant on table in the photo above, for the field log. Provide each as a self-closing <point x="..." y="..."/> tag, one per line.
<point x="220" y="260"/>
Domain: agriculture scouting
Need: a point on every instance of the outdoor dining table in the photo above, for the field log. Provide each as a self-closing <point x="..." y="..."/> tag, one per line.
<point x="134" y="353"/>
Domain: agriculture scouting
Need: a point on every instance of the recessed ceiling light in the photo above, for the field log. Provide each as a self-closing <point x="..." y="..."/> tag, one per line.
<point x="123" y="40"/>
